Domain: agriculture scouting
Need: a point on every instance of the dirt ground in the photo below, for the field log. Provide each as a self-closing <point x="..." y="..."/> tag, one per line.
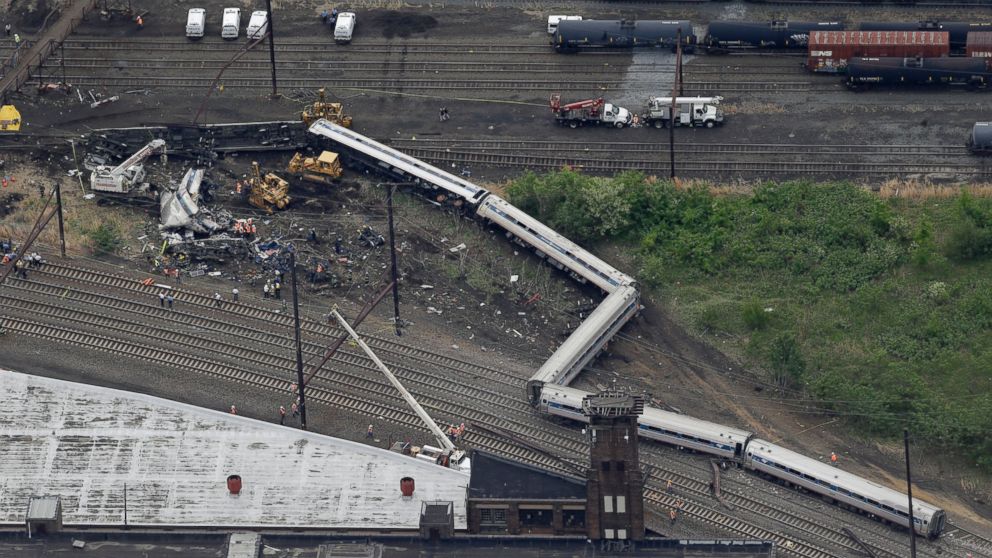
<point x="476" y="309"/>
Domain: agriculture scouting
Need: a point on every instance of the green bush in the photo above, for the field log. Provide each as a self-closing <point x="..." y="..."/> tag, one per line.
<point x="754" y="315"/>
<point x="106" y="238"/>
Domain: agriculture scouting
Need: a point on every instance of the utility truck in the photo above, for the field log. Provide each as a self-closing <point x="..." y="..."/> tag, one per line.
<point x="689" y="111"/>
<point x="589" y="112"/>
<point x="123" y="178"/>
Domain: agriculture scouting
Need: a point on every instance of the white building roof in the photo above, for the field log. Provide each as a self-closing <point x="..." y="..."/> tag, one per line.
<point x="83" y="443"/>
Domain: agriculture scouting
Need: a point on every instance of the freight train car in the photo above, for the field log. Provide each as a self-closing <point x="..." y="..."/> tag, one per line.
<point x="829" y="51"/>
<point x="979" y="45"/>
<point x="870" y="72"/>
<point x="726" y="35"/>
<point x="957" y="30"/>
<point x="980" y="140"/>
<point x="573" y="36"/>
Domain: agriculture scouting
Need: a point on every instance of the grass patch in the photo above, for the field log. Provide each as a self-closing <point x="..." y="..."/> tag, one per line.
<point x="877" y="306"/>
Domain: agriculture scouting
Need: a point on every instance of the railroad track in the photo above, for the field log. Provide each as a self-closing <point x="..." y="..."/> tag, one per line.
<point x="532" y="146"/>
<point x="696" y="166"/>
<point x="395" y="415"/>
<point x="324" y="48"/>
<point x="565" y="450"/>
<point x="420" y="84"/>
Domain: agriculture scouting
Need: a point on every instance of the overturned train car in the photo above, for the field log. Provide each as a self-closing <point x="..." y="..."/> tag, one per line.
<point x="573" y="36"/>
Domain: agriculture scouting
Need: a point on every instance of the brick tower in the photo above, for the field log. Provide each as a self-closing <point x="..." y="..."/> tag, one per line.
<point x="614" y="482"/>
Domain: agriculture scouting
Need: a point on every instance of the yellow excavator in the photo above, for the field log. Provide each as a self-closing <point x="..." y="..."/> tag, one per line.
<point x="10" y="119"/>
<point x="323" y="169"/>
<point x="267" y="192"/>
<point x="328" y="111"/>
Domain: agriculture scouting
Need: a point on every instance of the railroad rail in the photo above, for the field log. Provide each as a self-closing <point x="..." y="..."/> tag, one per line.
<point x="565" y="450"/>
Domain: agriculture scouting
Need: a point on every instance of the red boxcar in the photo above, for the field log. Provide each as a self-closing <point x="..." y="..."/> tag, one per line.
<point x="829" y="50"/>
<point x="979" y="44"/>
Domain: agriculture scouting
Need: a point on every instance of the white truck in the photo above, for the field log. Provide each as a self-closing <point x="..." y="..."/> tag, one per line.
<point x="258" y="25"/>
<point x="589" y="112"/>
<point x="344" y="27"/>
<point x="196" y="23"/>
<point x="125" y="176"/>
<point x="231" y="23"/>
<point x="689" y="111"/>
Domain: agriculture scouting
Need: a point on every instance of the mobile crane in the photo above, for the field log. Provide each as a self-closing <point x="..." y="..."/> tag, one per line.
<point x="590" y="111"/>
<point x="125" y="176"/>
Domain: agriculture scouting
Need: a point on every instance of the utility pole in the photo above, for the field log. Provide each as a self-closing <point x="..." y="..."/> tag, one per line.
<point x="272" y="51"/>
<point x="392" y="254"/>
<point x="909" y="490"/>
<point x="58" y="205"/>
<point x="676" y="88"/>
<point x="299" y="345"/>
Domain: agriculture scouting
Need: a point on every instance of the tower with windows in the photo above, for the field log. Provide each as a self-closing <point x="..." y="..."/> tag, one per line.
<point x="614" y="482"/>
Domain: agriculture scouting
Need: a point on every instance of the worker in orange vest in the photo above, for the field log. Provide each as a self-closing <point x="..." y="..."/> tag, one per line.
<point x="672" y="515"/>
<point x="141" y="22"/>
<point x="833" y="458"/>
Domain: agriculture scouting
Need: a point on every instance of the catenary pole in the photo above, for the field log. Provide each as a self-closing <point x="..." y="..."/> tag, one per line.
<point x="909" y="490"/>
<point x="299" y="345"/>
<point x="392" y="255"/>
<point x="272" y="53"/>
<point x="58" y="206"/>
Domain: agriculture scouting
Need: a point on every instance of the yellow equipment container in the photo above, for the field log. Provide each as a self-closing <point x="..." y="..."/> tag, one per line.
<point x="267" y="192"/>
<point x="323" y="169"/>
<point x="10" y="119"/>
<point x="322" y="109"/>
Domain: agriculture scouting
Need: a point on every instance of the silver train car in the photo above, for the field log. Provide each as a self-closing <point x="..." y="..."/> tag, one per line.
<point x="586" y="341"/>
<point x="843" y="487"/>
<point x="656" y="424"/>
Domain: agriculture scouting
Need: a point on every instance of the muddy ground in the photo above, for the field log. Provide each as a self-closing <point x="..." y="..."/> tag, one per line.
<point x="657" y="354"/>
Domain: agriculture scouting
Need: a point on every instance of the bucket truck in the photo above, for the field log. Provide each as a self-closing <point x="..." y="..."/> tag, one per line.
<point x="125" y="176"/>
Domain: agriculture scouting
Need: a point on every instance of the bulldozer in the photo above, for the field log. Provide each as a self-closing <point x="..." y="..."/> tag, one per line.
<point x="323" y="169"/>
<point x="328" y="111"/>
<point x="10" y="119"/>
<point x="267" y="192"/>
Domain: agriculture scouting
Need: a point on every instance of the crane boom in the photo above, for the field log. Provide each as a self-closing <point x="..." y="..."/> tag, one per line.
<point x="120" y="178"/>
<point x="431" y="425"/>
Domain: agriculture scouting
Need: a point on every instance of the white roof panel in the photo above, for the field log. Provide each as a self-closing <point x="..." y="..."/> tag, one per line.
<point x="83" y="443"/>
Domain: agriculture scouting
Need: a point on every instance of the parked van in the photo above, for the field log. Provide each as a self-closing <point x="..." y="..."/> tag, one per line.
<point x="555" y="19"/>
<point x="344" y="27"/>
<point x="258" y="25"/>
<point x="232" y="23"/>
<point x="196" y="22"/>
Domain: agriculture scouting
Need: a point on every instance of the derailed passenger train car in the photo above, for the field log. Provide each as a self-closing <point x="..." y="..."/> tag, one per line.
<point x="727" y="35"/>
<point x="973" y="73"/>
<point x="573" y="36"/>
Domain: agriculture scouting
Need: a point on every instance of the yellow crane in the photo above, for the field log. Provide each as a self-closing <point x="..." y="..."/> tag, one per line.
<point x="323" y="169"/>
<point x="328" y="111"/>
<point x="267" y="192"/>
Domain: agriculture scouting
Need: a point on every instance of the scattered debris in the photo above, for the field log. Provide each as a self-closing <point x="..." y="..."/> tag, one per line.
<point x="456" y="249"/>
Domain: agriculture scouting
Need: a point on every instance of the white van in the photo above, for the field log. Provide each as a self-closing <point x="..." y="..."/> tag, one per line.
<point x="344" y="27"/>
<point x="232" y="23"/>
<point x="196" y="22"/>
<point x="258" y="25"/>
<point x="555" y="19"/>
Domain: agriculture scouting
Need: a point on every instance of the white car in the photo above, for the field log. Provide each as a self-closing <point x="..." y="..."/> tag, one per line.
<point x="231" y="27"/>
<point x="258" y="25"/>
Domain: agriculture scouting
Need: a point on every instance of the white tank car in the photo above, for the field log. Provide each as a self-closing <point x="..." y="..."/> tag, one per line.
<point x="586" y="341"/>
<point x="848" y="488"/>
<point x="560" y="251"/>
<point x="399" y="163"/>
<point x="672" y="428"/>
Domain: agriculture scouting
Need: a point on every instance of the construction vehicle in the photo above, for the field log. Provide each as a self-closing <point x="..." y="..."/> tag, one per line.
<point x="124" y="177"/>
<point x="323" y="169"/>
<point x="689" y="111"/>
<point x="590" y="111"/>
<point x="328" y="111"/>
<point x="267" y="192"/>
<point x="10" y="119"/>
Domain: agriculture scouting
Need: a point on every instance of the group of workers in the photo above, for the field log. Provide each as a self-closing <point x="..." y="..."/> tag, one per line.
<point x="272" y="287"/>
<point x="456" y="432"/>
<point x="329" y="18"/>
<point x="244" y="226"/>
<point x="21" y="264"/>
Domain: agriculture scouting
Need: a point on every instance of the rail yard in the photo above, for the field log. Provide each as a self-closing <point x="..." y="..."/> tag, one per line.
<point x="501" y="314"/>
